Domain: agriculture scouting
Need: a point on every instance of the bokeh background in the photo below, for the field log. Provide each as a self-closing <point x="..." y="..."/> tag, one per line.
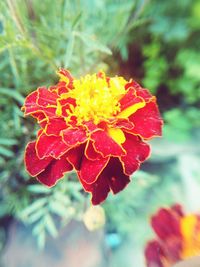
<point x="156" y="43"/>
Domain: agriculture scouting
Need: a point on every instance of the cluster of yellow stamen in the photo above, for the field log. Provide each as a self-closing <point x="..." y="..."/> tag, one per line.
<point x="96" y="98"/>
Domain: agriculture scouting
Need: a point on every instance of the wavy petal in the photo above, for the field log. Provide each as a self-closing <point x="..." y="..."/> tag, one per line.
<point x="50" y="145"/>
<point x="91" y="169"/>
<point x="65" y="76"/>
<point x="136" y="152"/>
<point x="33" y="163"/>
<point x="105" y="145"/>
<point x="74" y="136"/>
<point x="31" y="107"/>
<point x="45" y="97"/>
<point x="142" y="92"/>
<point x="55" y="125"/>
<point x="90" y="152"/>
<point x="147" y="121"/>
<point x="129" y="99"/>
<point x="54" y="171"/>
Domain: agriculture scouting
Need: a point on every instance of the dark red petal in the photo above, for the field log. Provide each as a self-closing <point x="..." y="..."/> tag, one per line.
<point x="46" y="97"/>
<point x="33" y="164"/>
<point x="54" y="171"/>
<point x="105" y="145"/>
<point x="166" y="224"/>
<point x="112" y="178"/>
<point x="50" y="145"/>
<point x="74" y="136"/>
<point x="129" y="99"/>
<point x="154" y="254"/>
<point x="118" y="180"/>
<point x="147" y="121"/>
<point x="75" y="155"/>
<point x="55" y="125"/>
<point x="137" y="152"/>
<point x="91" y="169"/>
<point x="99" y="189"/>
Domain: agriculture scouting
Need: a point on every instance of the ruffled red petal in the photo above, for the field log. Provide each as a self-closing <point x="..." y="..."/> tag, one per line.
<point x="90" y="152"/>
<point x="129" y="99"/>
<point x="91" y="169"/>
<point x="142" y="92"/>
<point x="34" y="165"/>
<point x="112" y="178"/>
<point x="50" y="145"/>
<point x="74" y="136"/>
<point x="54" y="171"/>
<point x="66" y="77"/>
<point x="105" y="145"/>
<point x="46" y="98"/>
<point x="147" y="121"/>
<point x="31" y="107"/>
<point x="136" y="152"/>
<point x="55" y="125"/>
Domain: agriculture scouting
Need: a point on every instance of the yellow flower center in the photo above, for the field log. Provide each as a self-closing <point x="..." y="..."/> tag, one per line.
<point x="190" y="229"/>
<point x="96" y="99"/>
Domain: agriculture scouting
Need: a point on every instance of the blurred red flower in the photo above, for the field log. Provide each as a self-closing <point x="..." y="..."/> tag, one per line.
<point x="95" y="125"/>
<point x="178" y="237"/>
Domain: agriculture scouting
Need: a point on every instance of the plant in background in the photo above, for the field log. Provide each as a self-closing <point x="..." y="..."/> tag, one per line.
<point x="95" y="125"/>
<point x="178" y="237"/>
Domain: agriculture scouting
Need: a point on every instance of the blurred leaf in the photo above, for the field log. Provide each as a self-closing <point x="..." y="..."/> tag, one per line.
<point x="6" y="152"/>
<point x="13" y="94"/>
<point x="93" y="43"/>
<point x="50" y="226"/>
<point x="39" y="189"/>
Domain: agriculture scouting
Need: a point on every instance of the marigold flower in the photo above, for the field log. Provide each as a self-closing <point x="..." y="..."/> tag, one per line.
<point x="178" y="237"/>
<point x="96" y="125"/>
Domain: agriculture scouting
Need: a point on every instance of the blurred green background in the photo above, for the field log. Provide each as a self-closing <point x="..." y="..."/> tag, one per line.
<point x="156" y="43"/>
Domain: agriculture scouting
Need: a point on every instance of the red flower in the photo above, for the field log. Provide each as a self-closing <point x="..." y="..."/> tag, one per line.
<point x="178" y="237"/>
<point x="96" y="125"/>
